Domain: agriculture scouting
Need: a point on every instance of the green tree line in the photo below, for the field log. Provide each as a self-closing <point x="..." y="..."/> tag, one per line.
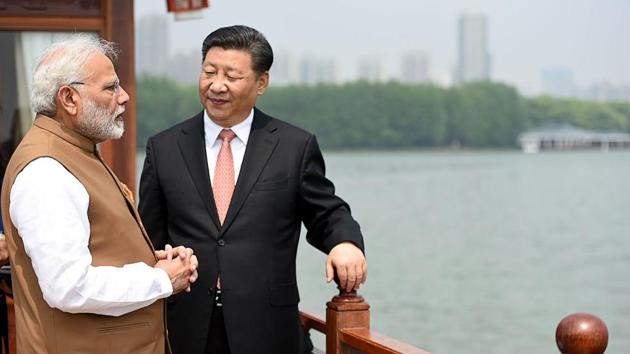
<point x="393" y="115"/>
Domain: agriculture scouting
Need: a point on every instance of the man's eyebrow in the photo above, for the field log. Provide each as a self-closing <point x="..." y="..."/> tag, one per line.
<point x="113" y="82"/>
<point x="227" y="68"/>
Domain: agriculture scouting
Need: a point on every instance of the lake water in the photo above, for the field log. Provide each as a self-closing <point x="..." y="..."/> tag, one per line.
<point x="485" y="252"/>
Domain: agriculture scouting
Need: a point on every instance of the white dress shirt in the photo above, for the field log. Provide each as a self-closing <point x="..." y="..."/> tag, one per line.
<point x="49" y="208"/>
<point x="238" y="144"/>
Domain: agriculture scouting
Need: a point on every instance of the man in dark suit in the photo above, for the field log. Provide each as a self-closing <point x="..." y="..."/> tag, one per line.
<point x="235" y="185"/>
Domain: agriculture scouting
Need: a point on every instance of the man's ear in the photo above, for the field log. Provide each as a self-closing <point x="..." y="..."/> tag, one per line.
<point x="263" y="83"/>
<point x="67" y="99"/>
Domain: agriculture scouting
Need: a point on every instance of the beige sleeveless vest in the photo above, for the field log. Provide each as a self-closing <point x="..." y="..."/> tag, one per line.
<point x="117" y="238"/>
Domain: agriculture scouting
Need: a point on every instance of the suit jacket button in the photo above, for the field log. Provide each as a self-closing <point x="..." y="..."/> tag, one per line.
<point x="221" y="242"/>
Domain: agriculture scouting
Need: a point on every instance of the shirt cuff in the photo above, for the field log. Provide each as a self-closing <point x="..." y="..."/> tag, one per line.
<point x="165" y="281"/>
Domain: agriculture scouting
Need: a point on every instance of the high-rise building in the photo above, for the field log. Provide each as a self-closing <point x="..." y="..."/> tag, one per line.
<point x="370" y="69"/>
<point x="284" y="70"/>
<point x="152" y="45"/>
<point x="473" y="57"/>
<point x="314" y="71"/>
<point x="185" y="68"/>
<point x="606" y="91"/>
<point x="415" y="68"/>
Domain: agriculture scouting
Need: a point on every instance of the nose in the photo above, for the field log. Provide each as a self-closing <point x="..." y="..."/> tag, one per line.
<point x="217" y="85"/>
<point x="123" y="96"/>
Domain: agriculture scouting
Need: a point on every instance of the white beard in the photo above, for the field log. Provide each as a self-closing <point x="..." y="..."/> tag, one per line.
<point x="97" y="123"/>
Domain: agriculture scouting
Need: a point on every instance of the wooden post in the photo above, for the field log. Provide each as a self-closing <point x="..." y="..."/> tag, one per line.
<point x="11" y="320"/>
<point x="118" y="27"/>
<point x="582" y="333"/>
<point x="346" y="310"/>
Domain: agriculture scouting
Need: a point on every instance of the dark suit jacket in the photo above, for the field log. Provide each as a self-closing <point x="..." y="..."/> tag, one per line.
<point x="281" y="185"/>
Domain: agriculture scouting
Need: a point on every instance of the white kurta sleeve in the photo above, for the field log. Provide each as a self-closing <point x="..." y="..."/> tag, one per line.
<point x="49" y="208"/>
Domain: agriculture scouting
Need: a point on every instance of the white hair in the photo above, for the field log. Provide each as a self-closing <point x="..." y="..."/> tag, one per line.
<point x="63" y="63"/>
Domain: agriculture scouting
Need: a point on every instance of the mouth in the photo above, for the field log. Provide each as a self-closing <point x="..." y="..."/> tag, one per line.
<point x="217" y="101"/>
<point x="119" y="116"/>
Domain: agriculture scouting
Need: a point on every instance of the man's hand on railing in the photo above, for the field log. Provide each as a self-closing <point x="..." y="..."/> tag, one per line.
<point x="349" y="263"/>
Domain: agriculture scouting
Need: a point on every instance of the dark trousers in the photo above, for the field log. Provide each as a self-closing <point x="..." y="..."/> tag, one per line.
<point x="217" y="342"/>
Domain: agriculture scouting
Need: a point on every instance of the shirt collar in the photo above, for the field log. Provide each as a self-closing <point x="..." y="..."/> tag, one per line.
<point x="212" y="129"/>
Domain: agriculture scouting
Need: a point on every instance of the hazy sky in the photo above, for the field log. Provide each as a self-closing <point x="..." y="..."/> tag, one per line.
<point x="589" y="37"/>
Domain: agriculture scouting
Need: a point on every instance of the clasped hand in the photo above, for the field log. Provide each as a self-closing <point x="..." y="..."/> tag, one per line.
<point x="180" y="264"/>
<point x="4" y="250"/>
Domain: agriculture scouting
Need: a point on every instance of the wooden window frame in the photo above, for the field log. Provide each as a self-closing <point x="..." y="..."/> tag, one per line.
<point x="115" y="23"/>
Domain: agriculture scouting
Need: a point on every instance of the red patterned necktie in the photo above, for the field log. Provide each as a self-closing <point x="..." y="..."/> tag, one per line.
<point x="223" y="182"/>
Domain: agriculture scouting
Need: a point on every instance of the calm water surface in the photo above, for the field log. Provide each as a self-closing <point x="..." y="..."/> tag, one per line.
<point x="485" y="252"/>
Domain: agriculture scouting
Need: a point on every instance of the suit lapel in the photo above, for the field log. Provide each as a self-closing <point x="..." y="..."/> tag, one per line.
<point x="192" y="146"/>
<point x="260" y="145"/>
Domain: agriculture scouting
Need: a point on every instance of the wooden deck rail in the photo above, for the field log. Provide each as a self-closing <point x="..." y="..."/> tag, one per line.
<point x="347" y="329"/>
<point x="579" y="333"/>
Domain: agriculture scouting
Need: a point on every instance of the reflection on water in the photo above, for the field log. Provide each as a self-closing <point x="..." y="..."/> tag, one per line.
<point x="485" y="252"/>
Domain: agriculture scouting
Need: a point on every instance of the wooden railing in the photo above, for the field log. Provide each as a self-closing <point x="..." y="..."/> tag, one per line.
<point x="347" y="331"/>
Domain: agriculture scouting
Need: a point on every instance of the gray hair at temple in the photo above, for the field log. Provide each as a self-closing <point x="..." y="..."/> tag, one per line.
<point x="63" y="63"/>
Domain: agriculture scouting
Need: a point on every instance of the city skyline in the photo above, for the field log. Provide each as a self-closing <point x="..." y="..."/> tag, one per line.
<point x="525" y="38"/>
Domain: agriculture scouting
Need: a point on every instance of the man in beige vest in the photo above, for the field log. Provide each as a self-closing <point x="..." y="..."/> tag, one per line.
<point x="86" y="278"/>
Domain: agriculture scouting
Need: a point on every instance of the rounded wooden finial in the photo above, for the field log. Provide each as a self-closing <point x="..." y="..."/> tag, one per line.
<point x="346" y="296"/>
<point x="582" y="333"/>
